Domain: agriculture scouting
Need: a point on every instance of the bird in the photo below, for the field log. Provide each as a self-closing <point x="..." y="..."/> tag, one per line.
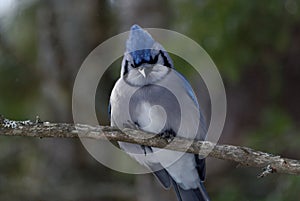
<point x="159" y="100"/>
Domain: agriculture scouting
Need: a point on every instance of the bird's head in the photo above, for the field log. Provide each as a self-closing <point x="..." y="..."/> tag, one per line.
<point x="145" y="61"/>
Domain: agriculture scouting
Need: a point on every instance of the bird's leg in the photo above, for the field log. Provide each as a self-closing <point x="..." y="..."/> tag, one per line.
<point x="135" y="125"/>
<point x="144" y="148"/>
<point x="169" y="135"/>
<point x="132" y="125"/>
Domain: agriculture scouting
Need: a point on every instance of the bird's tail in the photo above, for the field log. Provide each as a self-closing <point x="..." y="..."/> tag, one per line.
<point x="198" y="194"/>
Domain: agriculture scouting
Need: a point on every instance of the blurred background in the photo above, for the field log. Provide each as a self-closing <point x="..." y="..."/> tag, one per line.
<point x="255" y="45"/>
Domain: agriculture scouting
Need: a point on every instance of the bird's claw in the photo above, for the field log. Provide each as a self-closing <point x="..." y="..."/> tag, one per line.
<point x="168" y="135"/>
<point x="132" y="125"/>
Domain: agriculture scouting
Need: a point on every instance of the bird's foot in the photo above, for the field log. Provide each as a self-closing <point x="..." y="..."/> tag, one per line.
<point x="168" y="135"/>
<point x="132" y="125"/>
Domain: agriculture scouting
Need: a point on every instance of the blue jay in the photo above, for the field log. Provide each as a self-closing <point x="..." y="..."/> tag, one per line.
<point x="148" y="69"/>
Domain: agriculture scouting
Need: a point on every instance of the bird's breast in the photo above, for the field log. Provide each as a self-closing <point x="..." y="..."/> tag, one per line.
<point x="155" y="107"/>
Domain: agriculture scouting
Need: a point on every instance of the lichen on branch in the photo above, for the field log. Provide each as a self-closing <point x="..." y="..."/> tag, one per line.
<point x="241" y="155"/>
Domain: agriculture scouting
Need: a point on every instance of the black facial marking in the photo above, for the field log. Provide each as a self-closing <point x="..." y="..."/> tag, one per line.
<point x="125" y="68"/>
<point x="166" y="62"/>
<point x="143" y="61"/>
<point x="153" y="60"/>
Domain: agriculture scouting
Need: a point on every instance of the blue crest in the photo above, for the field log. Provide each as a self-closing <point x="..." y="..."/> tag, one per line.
<point x="139" y="45"/>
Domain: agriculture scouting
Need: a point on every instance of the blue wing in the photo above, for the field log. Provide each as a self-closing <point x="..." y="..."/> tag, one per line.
<point x="191" y="93"/>
<point x="193" y="194"/>
<point x="188" y="88"/>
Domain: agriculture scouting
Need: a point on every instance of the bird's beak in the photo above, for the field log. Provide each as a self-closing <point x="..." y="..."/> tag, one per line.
<point x="142" y="71"/>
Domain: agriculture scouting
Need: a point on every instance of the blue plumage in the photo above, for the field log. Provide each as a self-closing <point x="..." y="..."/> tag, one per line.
<point x="140" y="56"/>
<point x="148" y="70"/>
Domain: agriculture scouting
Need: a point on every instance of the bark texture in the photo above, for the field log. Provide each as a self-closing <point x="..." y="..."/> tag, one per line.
<point x="242" y="155"/>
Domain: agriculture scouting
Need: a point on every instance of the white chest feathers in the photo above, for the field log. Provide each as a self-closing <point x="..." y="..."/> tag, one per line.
<point x="151" y="118"/>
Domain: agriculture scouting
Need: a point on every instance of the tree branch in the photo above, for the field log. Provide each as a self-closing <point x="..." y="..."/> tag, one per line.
<point x="242" y="155"/>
